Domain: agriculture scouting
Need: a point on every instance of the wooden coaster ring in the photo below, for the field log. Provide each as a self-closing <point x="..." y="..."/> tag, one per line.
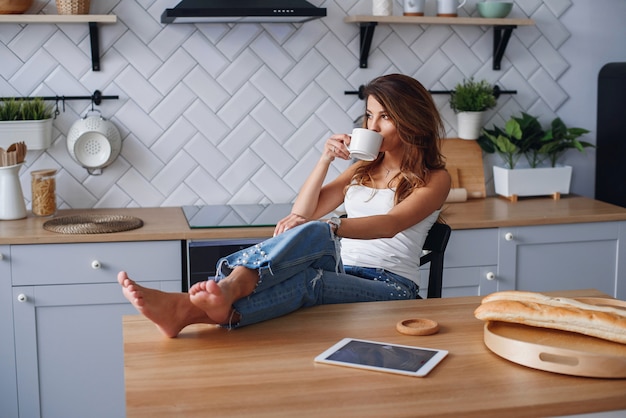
<point x="417" y="326"/>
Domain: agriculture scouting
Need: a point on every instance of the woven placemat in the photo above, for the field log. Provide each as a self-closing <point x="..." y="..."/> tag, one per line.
<point x="92" y="224"/>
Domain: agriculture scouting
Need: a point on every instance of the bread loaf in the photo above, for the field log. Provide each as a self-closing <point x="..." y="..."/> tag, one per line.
<point x="536" y="309"/>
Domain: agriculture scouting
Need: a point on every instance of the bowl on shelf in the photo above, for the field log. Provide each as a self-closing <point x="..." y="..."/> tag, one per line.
<point x="494" y="9"/>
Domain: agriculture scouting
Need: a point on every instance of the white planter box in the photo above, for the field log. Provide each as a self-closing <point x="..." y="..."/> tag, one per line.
<point x="37" y="134"/>
<point x="532" y="181"/>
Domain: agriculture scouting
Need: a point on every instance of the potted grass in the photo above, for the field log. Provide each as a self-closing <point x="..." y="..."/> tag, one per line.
<point x="523" y="140"/>
<point x="469" y="100"/>
<point x="27" y="120"/>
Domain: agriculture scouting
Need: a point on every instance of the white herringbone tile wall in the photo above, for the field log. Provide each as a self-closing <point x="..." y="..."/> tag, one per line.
<point x="218" y="113"/>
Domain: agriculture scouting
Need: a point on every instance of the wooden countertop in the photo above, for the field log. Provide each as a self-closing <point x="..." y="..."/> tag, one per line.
<point x="169" y="223"/>
<point x="267" y="369"/>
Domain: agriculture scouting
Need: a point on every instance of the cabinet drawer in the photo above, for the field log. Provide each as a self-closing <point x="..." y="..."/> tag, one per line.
<point x="95" y="262"/>
<point x="472" y="247"/>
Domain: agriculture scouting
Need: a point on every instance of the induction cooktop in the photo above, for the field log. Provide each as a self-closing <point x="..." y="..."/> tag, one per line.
<point x="236" y="216"/>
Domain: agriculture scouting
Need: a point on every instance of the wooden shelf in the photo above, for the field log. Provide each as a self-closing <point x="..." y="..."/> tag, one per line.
<point x="91" y="20"/>
<point x="502" y="29"/>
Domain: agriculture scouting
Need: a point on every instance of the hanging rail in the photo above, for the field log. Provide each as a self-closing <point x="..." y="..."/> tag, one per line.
<point x="96" y="98"/>
<point x="496" y="92"/>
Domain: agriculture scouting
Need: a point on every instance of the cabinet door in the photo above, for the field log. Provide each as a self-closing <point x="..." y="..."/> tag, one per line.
<point x="67" y="314"/>
<point x="470" y="262"/>
<point x="68" y="340"/>
<point x="8" y="389"/>
<point x="563" y="257"/>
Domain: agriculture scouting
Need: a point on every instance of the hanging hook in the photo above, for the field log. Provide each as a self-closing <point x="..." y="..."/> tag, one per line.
<point x="56" y="107"/>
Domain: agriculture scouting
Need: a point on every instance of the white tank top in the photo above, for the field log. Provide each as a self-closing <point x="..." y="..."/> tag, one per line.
<point x="400" y="254"/>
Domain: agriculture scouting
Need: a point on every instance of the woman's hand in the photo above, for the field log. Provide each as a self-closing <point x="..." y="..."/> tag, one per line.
<point x="337" y="146"/>
<point x="290" y="221"/>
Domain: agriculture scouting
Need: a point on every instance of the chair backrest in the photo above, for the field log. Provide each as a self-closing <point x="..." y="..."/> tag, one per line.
<point x="435" y="243"/>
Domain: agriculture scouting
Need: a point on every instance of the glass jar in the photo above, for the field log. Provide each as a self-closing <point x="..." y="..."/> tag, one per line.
<point x="43" y="186"/>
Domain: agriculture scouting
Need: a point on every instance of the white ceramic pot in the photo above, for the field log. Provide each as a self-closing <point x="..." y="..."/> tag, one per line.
<point x="541" y="181"/>
<point x="469" y="124"/>
<point x="94" y="142"/>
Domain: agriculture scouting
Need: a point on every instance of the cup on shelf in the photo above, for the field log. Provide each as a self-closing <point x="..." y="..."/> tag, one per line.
<point x="448" y="8"/>
<point x="413" y="7"/>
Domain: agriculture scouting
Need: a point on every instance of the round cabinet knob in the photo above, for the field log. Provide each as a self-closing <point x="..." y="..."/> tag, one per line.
<point x="22" y="297"/>
<point x="490" y="275"/>
<point x="508" y="236"/>
<point x="95" y="264"/>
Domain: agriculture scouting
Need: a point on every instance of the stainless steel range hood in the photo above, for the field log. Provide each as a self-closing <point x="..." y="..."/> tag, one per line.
<point x="242" y="11"/>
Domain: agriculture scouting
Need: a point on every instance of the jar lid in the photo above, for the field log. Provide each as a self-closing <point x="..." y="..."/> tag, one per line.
<point x="46" y="172"/>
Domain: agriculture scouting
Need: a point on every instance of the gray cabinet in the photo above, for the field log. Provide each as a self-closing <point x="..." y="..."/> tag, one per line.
<point x="537" y="258"/>
<point x="562" y="257"/>
<point x="470" y="262"/>
<point x="8" y="389"/>
<point x="67" y="314"/>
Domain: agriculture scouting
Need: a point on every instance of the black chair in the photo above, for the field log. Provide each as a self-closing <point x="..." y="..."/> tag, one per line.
<point x="435" y="243"/>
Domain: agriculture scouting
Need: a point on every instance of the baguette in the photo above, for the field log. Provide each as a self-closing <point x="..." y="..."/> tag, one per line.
<point x="536" y="309"/>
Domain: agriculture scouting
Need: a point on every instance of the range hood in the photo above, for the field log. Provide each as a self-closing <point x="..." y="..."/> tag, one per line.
<point x="242" y="11"/>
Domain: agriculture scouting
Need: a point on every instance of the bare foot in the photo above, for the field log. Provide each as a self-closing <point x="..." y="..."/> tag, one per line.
<point x="171" y="312"/>
<point x="212" y="299"/>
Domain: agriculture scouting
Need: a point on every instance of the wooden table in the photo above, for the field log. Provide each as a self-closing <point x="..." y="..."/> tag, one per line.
<point x="268" y="370"/>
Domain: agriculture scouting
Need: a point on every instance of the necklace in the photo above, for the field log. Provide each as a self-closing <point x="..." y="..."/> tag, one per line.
<point x="388" y="171"/>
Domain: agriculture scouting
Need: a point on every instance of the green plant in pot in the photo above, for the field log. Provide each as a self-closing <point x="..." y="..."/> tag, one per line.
<point x="28" y="120"/>
<point x="524" y="136"/>
<point x="469" y="100"/>
<point x="560" y="138"/>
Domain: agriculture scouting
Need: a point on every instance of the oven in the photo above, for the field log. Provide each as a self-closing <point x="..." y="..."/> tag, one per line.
<point x="202" y="257"/>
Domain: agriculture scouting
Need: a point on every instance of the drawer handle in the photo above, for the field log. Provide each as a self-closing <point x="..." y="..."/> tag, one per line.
<point x="508" y="236"/>
<point x="95" y="264"/>
<point x="22" y="297"/>
<point x="1" y="256"/>
<point x="490" y="275"/>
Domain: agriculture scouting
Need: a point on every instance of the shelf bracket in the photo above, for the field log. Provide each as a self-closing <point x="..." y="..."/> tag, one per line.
<point x="95" y="46"/>
<point x="501" y="36"/>
<point x="367" y="33"/>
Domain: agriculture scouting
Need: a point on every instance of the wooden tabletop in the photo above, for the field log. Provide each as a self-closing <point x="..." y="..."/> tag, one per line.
<point x="169" y="223"/>
<point x="267" y="369"/>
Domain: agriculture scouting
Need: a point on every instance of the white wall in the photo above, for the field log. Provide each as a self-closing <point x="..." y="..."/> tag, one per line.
<point x="238" y="113"/>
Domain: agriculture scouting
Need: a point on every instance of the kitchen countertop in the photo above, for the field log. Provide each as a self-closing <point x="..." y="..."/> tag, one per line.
<point x="169" y="223"/>
<point x="213" y="371"/>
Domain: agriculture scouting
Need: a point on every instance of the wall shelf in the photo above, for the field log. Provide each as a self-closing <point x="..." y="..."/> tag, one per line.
<point x="502" y="29"/>
<point x="92" y="20"/>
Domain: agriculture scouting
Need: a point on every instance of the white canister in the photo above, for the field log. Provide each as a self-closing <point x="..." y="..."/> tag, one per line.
<point x="382" y="7"/>
<point x="413" y="7"/>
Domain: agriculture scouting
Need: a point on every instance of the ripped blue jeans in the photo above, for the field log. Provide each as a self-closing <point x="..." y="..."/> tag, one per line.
<point x="302" y="267"/>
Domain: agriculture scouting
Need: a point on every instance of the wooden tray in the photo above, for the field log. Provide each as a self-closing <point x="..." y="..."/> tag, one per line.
<point x="559" y="351"/>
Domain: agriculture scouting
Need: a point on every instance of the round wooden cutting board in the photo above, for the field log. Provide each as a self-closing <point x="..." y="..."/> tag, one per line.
<point x="556" y="351"/>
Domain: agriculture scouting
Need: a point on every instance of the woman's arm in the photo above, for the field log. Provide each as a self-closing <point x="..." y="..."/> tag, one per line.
<point x="412" y="210"/>
<point x="315" y="199"/>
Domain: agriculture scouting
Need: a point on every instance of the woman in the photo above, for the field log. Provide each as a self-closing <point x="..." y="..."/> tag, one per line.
<point x="391" y="204"/>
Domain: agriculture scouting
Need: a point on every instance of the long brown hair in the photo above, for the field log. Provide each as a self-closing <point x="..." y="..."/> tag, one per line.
<point x="420" y="128"/>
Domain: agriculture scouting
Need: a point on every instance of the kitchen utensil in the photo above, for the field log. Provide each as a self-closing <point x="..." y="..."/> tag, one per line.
<point x="94" y="142"/>
<point x="559" y="351"/>
<point x="12" y="204"/>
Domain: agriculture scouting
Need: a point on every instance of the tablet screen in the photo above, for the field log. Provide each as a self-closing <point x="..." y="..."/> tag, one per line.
<point x="372" y="355"/>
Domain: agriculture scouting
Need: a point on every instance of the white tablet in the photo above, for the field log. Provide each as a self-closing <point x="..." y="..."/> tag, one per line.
<point x="384" y="357"/>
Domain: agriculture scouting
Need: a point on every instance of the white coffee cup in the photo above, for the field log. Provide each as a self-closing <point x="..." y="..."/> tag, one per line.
<point x="364" y="144"/>
<point x="413" y="7"/>
<point x="448" y="8"/>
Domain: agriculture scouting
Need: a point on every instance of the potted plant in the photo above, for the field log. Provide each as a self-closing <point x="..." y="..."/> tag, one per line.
<point x="28" y="120"/>
<point x="524" y="137"/>
<point x="469" y="100"/>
